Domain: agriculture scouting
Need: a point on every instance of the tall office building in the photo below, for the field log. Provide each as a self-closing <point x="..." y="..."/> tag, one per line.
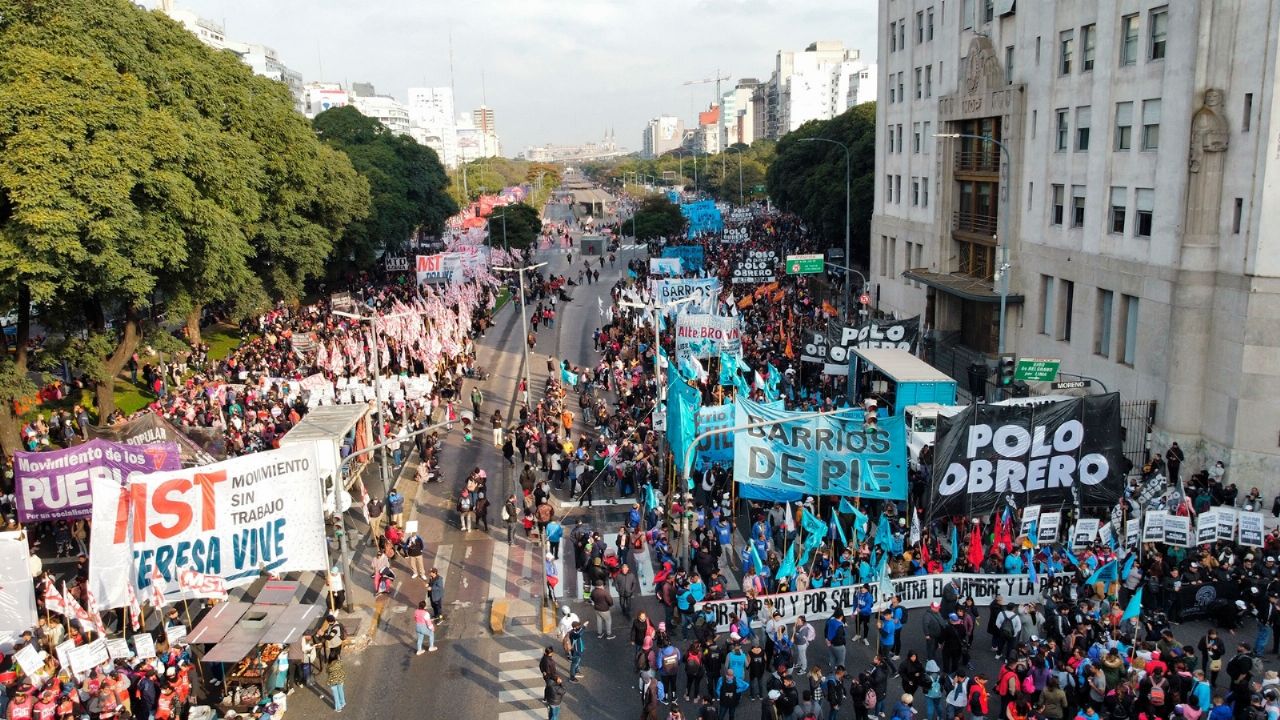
<point x="1130" y="201"/>
<point x="432" y="121"/>
<point x="662" y="135"/>
<point x="818" y="83"/>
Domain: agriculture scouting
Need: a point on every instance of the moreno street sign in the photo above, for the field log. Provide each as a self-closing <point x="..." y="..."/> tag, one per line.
<point x="1072" y="385"/>
<point x="1037" y="369"/>
<point x="805" y="264"/>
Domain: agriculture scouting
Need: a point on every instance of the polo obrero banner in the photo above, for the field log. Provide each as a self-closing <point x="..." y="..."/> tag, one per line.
<point x="1050" y="454"/>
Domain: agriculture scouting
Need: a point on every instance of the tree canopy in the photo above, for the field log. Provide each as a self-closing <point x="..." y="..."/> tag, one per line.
<point x="514" y="226"/>
<point x="407" y="184"/>
<point x="807" y="178"/>
<point x="656" y="217"/>
<point x="138" y="165"/>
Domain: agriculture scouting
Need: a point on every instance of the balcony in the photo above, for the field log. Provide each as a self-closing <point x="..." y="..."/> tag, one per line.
<point x="978" y="161"/>
<point x="975" y="223"/>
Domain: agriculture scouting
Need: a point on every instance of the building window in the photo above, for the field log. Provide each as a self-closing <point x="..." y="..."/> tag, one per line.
<point x="902" y="83"/>
<point x="893" y="256"/>
<point x="928" y="27"/>
<point x="919" y="82"/>
<point x="915" y="138"/>
<point x="1046" y="304"/>
<point x="1102" y="323"/>
<point x="928" y="136"/>
<point x="1066" y="308"/>
<point x="1151" y="124"/>
<point x="1159" y="28"/>
<point x="1083" y="121"/>
<point x="919" y="27"/>
<point x="1129" y="319"/>
<point x="888" y="188"/>
<point x="1077" y="206"/>
<point x="1008" y="65"/>
<point x="891" y="93"/>
<point x="1037" y="51"/>
<point x="902" y="33"/>
<point x="1246" y="117"/>
<point x="1119" y="208"/>
<point x="1066" y="43"/>
<point x="1035" y="120"/>
<point x="884" y="256"/>
<point x="988" y="10"/>
<point x="1128" y="39"/>
<point x="928" y="81"/>
<point x="924" y="192"/>
<point x="1031" y="194"/>
<point x="897" y="188"/>
<point x="1124" y="125"/>
<point x="1237" y="216"/>
<point x="1088" y="46"/>
<point x="893" y="36"/>
<point x="1145" y="201"/>
<point x="1059" y="200"/>
<point x="915" y="192"/>
<point x="1061" y="129"/>
<point x="900" y="133"/>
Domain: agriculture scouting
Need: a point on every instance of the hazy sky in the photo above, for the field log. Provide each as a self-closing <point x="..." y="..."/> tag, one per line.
<point x="554" y="71"/>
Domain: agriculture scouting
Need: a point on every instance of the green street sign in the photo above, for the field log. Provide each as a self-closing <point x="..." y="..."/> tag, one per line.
<point x="757" y="188"/>
<point x="805" y="264"/>
<point x="1037" y="369"/>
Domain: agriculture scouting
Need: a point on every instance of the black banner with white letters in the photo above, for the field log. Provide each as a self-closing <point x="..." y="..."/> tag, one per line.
<point x="834" y="347"/>
<point x="1051" y="454"/>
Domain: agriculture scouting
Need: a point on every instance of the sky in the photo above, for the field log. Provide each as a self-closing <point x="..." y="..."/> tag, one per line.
<point x="554" y="71"/>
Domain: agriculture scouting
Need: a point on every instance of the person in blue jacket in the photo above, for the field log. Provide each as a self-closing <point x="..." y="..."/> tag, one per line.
<point x="729" y="690"/>
<point x="555" y="532"/>
<point x="864" y="602"/>
<point x="736" y="662"/>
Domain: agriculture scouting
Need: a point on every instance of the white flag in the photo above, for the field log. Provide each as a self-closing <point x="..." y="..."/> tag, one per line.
<point x="915" y="527"/>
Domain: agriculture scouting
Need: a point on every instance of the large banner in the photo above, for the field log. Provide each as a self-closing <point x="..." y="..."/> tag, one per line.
<point x="668" y="290"/>
<point x="719" y="448"/>
<point x="833" y="455"/>
<point x="1051" y="454"/>
<point x="916" y="591"/>
<point x="58" y="485"/>
<point x="707" y="335"/>
<point x="237" y="520"/>
<point x="703" y="216"/>
<point x="756" y="266"/>
<point x="149" y="428"/>
<point x="834" y="347"/>
<point x="17" y="591"/>
<point x="447" y="267"/>
<point x="665" y="266"/>
<point x="692" y="257"/>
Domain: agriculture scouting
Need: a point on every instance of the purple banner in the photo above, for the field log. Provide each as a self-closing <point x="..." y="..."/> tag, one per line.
<point x="58" y="485"/>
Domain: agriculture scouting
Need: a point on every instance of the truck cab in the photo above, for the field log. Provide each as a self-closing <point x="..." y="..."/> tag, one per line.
<point x="922" y="427"/>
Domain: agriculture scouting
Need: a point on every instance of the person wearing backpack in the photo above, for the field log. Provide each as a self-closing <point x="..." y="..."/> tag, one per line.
<point x="667" y="661"/>
<point x="1240" y="672"/>
<point x="1008" y="628"/>
<point x="1155" y="687"/>
<point x="729" y="690"/>
<point x="694" y="670"/>
<point x="934" y="689"/>
<point x="395" y="506"/>
<point x="835" y="633"/>
<point x="979" y="700"/>
<point x="510" y="516"/>
<point x="833" y="690"/>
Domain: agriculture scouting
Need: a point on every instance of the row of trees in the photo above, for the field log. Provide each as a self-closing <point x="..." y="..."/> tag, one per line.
<point x="741" y="167"/>
<point x="140" y="169"/>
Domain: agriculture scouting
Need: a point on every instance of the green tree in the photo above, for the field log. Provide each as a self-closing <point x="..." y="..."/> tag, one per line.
<point x="515" y="226"/>
<point x="807" y="178"/>
<point x="407" y="185"/>
<point x="657" y="217"/>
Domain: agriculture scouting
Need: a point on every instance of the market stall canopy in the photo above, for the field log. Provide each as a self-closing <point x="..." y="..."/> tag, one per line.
<point x="217" y="623"/>
<point x="327" y="422"/>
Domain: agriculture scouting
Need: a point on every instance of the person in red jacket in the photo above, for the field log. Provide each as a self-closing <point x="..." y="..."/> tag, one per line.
<point x="20" y="708"/>
<point x="978" y="698"/>
<point x="47" y="707"/>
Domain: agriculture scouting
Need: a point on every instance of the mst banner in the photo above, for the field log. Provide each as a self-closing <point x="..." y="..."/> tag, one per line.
<point x="707" y="335"/>
<point x="837" y="455"/>
<point x="59" y="484"/>
<point x="668" y="290"/>
<point x="1052" y="454"/>
<point x="235" y="520"/>
<point x="916" y="591"/>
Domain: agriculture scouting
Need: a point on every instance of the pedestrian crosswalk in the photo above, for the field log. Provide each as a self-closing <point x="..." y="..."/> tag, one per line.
<point x="520" y="684"/>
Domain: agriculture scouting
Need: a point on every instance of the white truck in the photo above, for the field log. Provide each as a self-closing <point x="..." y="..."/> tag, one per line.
<point x="922" y="421"/>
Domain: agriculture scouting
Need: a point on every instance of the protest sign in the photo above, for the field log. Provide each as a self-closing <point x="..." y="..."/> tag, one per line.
<point x="28" y="659"/>
<point x="1132" y="533"/>
<point x="118" y="648"/>
<point x="144" y="646"/>
<point x="1226" y="523"/>
<point x="707" y="335"/>
<point x="440" y="268"/>
<point x="830" y="455"/>
<point x="1030" y="515"/>
<point x="756" y="266"/>
<point x="691" y="257"/>
<point x="63" y="651"/>
<point x="175" y="634"/>
<point x="1106" y="535"/>
<point x="237" y="520"/>
<point x="915" y="592"/>
<point x="1177" y="530"/>
<point x="17" y="591"/>
<point x="58" y="484"/>
<point x="1153" y="526"/>
<point x="1052" y="454"/>
<point x="1086" y="530"/>
<point x="1047" y="531"/>
<point x="1207" y="527"/>
<point x="834" y="347"/>
<point x="89" y="656"/>
<point x="719" y="448"/>
<point x="667" y="290"/>
<point x="1252" y="529"/>
<point x="735" y="235"/>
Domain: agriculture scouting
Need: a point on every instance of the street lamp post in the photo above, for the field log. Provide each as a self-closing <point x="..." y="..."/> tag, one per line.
<point x="740" y="195"/>
<point x="1002" y="275"/>
<point x="524" y="320"/>
<point x="848" y="167"/>
<point x="503" y="217"/>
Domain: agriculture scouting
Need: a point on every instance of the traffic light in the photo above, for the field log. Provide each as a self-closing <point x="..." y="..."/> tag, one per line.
<point x="1008" y="363"/>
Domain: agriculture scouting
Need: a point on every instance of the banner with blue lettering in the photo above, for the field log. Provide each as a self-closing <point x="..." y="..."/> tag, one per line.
<point x="719" y="448"/>
<point x="667" y="290"/>
<point x="692" y="257"/>
<point x="703" y="216"/>
<point x="237" y="520"/>
<point x="833" y="455"/>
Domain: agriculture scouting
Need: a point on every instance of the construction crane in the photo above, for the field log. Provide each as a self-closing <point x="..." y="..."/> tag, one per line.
<point x="718" y="77"/>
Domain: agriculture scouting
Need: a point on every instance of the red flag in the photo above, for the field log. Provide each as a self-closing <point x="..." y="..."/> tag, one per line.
<point x="924" y="553"/>
<point x="975" y="547"/>
<point x="157" y="595"/>
<point x="54" y="601"/>
<point x="135" y="609"/>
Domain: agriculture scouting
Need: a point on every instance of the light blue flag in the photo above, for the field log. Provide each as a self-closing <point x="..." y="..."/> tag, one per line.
<point x="859" y="525"/>
<point x="683" y="402"/>
<point x="955" y="551"/>
<point x="882" y="575"/>
<point x="568" y="378"/>
<point x="1031" y="567"/>
<point x="1107" y="573"/>
<point x="1066" y="550"/>
<point x="771" y="383"/>
<point x="835" y="520"/>
<point x="1135" y="607"/>
<point x="728" y="368"/>
<point x="788" y="566"/>
<point x="651" y="498"/>
<point x="755" y="558"/>
<point x="884" y="534"/>
<point x="846" y="506"/>
<point x="813" y="526"/>
<point x="1128" y="566"/>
